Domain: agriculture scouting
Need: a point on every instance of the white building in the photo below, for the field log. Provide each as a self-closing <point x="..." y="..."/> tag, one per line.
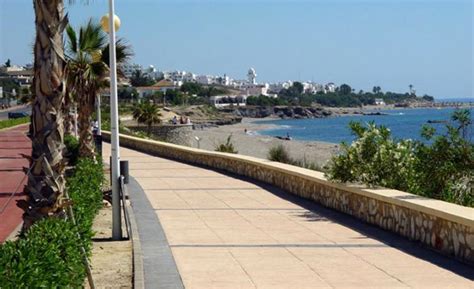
<point x="128" y="69"/>
<point x="176" y="75"/>
<point x="220" y="101"/>
<point x="277" y="87"/>
<point x="379" y="101"/>
<point x="189" y="77"/>
<point x="252" y="76"/>
<point x="160" y="86"/>
<point x="206" y="79"/>
<point x="20" y="75"/>
<point x="330" y="87"/>
<point x="256" y="89"/>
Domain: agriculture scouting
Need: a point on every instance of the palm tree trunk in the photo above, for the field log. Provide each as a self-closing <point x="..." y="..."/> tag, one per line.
<point x="68" y="119"/>
<point x="149" y="129"/>
<point x="46" y="182"/>
<point x="86" y="107"/>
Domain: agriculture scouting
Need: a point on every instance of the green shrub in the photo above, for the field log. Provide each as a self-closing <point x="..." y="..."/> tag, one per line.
<point x="442" y="169"/>
<point x="72" y="149"/>
<point x="375" y="159"/>
<point x="49" y="254"/>
<point x="279" y="154"/>
<point x="13" y="122"/>
<point x="85" y="191"/>
<point x="227" y="147"/>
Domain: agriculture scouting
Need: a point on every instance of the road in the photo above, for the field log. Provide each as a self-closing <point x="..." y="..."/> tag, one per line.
<point x="4" y="113"/>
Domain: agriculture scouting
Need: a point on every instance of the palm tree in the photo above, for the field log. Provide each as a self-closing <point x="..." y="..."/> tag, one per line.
<point x="463" y="119"/>
<point x="87" y="72"/>
<point x="46" y="182"/>
<point x="148" y="114"/>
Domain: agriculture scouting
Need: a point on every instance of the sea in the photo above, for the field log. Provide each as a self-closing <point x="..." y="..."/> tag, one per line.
<point x="403" y="123"/>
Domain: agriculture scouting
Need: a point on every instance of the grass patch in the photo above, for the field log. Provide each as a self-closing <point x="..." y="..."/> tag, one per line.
<point x="13" y="122"/>
<point x="49" y="254"/>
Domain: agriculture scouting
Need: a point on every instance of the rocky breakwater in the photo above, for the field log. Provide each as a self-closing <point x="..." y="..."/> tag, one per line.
<point x="282" y="112"/>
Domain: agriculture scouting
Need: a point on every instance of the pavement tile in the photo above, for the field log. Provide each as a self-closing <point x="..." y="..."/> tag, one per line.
<point x="226" y="232"/>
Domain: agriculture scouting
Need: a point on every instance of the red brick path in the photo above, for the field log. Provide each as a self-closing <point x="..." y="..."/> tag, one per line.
<point x="13" y="143"/>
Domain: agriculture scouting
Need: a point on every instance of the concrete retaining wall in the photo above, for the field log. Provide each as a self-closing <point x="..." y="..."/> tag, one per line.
<point x="446" y="227"/>
<point x="177" y="134"/>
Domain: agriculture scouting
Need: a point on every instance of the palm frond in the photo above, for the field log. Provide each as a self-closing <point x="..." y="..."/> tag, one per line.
<point x="71" y="39"/>
<point x="123" y="52"/>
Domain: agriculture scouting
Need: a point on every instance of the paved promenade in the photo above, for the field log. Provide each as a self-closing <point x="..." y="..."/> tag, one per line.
<point x="223" y="231"/>
<point x="13" y="143"/>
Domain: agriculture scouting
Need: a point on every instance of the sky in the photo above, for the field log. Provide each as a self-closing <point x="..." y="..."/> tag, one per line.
<point x="388" y="43"/>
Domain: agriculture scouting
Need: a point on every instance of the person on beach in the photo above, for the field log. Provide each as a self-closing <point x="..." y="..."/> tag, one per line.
<point x="174" y="120"/>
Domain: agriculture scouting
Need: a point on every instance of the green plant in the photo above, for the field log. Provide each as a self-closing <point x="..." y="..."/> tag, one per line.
<point x="147" y="114"/>
<point x="71" y="152"/>
<point x="87" y="72"/>
<point x="442" y="169"/>
<point x="227" y="147"/>
<point x="49" y="254"/>
<point x="279" y="154"/>
<point x="374" y="159"/>
<point x="13" y="122"/>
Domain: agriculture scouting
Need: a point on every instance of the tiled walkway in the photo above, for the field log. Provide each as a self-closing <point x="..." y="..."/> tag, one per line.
<point x="13" y="143"/>
<point x="227" y="232"/>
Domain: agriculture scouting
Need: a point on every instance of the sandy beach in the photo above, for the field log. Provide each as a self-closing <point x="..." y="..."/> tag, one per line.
<point x="253" y="144"/>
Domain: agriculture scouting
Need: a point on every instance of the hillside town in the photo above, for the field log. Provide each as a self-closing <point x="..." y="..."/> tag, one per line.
<point x="224" y="90"/>
<point x="167" y="80"/>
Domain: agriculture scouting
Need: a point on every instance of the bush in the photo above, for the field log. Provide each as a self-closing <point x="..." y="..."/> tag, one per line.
<point x="72" y="149"/>
<point x="374" y="159"/>
<point x="49" y="254"/>
<point x="13" y="122"/>
<point x="227" y="147"/>
<point x="279" y="154"/>
<point x="442" y="169"/>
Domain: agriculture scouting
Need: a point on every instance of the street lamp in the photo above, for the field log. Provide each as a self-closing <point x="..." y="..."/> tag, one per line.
<point x="110" y="25"/>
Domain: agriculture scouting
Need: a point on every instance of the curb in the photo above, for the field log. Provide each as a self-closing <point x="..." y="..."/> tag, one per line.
<point x="138" y="280"/>
<point x="14" y="234"/>
<point x="159" y="267"/>
<point x="15" y="126"/>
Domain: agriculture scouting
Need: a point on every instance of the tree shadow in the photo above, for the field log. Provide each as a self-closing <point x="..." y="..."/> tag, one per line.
<point x="318" y="213"/>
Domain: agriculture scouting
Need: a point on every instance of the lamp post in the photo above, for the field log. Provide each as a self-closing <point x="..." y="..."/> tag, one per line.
<point x="110" y="23"/>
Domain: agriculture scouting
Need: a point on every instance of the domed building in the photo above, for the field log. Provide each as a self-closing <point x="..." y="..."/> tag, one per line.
<point x="252" y="76"/>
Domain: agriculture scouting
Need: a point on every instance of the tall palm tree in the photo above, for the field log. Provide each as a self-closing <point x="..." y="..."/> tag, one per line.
<point x="87" y="73"/>
<point x="147" y="114"/>
<point x="46" y="179"/>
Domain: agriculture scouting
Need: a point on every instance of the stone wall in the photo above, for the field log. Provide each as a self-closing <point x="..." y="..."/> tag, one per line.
<point x="446" y="227"/>
<point x="177" y="134"/>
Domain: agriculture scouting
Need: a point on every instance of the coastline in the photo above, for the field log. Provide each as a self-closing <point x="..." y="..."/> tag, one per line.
<point x="248" y="141"/>
<point x="253" y="144"/>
